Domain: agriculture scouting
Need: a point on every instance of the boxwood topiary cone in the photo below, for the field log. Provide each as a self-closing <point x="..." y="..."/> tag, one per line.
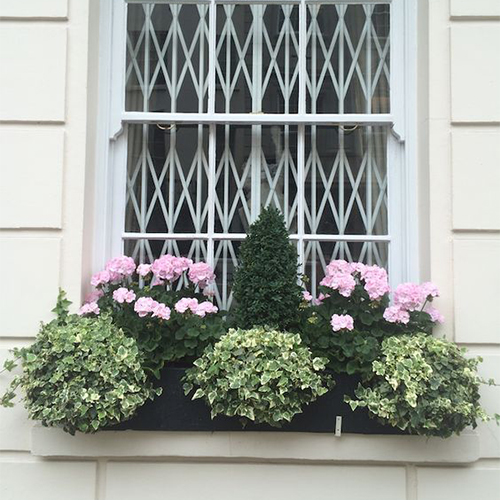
<point x="265" y="285"/>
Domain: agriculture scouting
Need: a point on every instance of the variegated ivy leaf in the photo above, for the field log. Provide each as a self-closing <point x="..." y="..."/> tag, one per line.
<point x="263" y="375"/>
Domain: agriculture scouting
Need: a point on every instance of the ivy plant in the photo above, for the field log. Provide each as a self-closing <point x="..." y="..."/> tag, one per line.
<point x="423" y="385"/>
<point x="81" y="374"/>
<point x="265" y="285"/>
<point x="262" y="375"/>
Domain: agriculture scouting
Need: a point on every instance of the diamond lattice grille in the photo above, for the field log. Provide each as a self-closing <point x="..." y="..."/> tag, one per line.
<point x="348" y="59"/>
<point x="194" y="189"/>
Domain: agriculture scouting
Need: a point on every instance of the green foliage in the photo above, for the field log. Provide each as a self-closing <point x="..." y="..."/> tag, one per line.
<point x="262" y="375"/>
<point x="181" y="339"/>
<point x="80" y="374"/>
<point x="265" y="284"/>
<point x="62" y="306"/>
<point x="347" y="351"/>
<point x="423" y="385"/>
<point x="353" y="351"/>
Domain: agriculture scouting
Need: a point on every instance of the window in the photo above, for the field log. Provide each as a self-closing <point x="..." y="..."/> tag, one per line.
<point x="221" y="107"/>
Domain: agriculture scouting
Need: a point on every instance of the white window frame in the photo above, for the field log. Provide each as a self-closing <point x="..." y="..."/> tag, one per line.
<point x="111" y="142"/>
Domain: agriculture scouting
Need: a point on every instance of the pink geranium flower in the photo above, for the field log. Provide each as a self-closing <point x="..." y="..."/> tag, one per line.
<point x="201" y="274"/>
<point x="342" y="322"/>
<point x="205" y="308"/>
<point x="143" y="269"/>
<point x="161" y="311"/>
<point x="122" y="295"/>
<point x="435" y="315"/>
<point x="144" y="306"/>
<point x="186" y="304"/>
<point x="343" y="283"/>
<point x="395" y="314"/>
<point x="170" y="268"/>
<point x="375" y="280"/>
<point x="409" y="296"/>
<point x="94" y="296"/>
<point x="120" y="267"/>
<point x="100" y="278"/>
<point x="338" y="266"/>
<point x="89" y="308"/>
<point x="429" y="290"/>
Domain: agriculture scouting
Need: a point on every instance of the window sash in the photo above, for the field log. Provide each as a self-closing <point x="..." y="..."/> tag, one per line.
<point x="257" y="2"/>
<point x="258" y="117"/>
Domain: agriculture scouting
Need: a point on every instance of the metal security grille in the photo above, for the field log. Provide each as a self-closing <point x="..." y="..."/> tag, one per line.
<point x="232" y="106"/>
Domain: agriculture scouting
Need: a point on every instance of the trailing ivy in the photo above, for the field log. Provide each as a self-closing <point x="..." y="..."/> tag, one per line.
<point x="261" y="375"/>
<point x="265" y="285"/>
<point x="423" y="385"/>
<point x="81" y="374"/>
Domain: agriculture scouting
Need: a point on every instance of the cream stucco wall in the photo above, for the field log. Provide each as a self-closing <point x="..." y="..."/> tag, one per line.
<point x="48" y="100"/>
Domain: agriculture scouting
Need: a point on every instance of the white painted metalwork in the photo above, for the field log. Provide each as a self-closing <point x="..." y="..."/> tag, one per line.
<point x="259" y="118"/>
<point x="187" y="65"/>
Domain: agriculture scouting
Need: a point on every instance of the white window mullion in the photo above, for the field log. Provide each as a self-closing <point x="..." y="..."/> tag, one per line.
<point x="397" y="215"/>
<point x="301" y="135"/>
<point x="212" y="61"/>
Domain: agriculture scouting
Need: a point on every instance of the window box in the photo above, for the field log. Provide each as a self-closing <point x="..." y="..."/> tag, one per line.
<point x="173" y="411"/>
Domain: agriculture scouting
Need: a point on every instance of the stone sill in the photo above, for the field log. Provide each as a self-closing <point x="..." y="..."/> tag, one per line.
<point x="256" y="447"/>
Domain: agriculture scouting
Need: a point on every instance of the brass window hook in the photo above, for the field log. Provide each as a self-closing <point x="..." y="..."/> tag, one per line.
<point x="168" y="127"/>
<point x="348" y="129"/>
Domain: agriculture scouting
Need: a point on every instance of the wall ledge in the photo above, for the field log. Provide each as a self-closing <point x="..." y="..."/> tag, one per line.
<point x="256" y="446"/>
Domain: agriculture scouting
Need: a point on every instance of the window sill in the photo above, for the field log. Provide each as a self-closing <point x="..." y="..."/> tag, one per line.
<point x="256" y="447"/>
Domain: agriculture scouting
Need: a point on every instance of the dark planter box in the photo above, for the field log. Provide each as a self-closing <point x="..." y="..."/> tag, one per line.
<point x="173" y="411"/>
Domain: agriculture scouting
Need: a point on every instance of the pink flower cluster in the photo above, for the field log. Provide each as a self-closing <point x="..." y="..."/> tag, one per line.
<point x="201" y="274"/>
<point x="341" y="276"/>
<point x="170" y="268"/>
<point x="435" y="315"/>
<point x="409" y="296"/>
<point x="147" y="305"/>
<point x="166" y="268"/>
<point x="199" y="308"/>
<point x="89" y="308"/>
<point x="394" y="314"/>
<point x="143" y="269"/>
<point x="375" y="280"/>
<point x="116" y="269"/>
<point x="94" y="296"/>
<point x="412" y="297"/>
<point x="338" y="277"/>
<point x="342" y="322"/>
<point x="122" y="295"/>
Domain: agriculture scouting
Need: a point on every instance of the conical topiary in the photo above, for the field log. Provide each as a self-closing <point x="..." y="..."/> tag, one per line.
<point x="265" y="285"/>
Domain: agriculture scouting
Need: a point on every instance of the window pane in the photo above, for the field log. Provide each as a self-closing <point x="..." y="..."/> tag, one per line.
<point x="257" y="58"/>
<point x="255" y="166"/>
<point x="167" y="58"/>
<point x="167" y="186"/>
<point x="348" y="58"/>
<point x="346" y="180"/>
<point x="225" y="263"/>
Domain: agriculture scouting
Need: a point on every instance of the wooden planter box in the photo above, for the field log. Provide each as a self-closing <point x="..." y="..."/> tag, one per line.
<point x="173" y="411"/>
